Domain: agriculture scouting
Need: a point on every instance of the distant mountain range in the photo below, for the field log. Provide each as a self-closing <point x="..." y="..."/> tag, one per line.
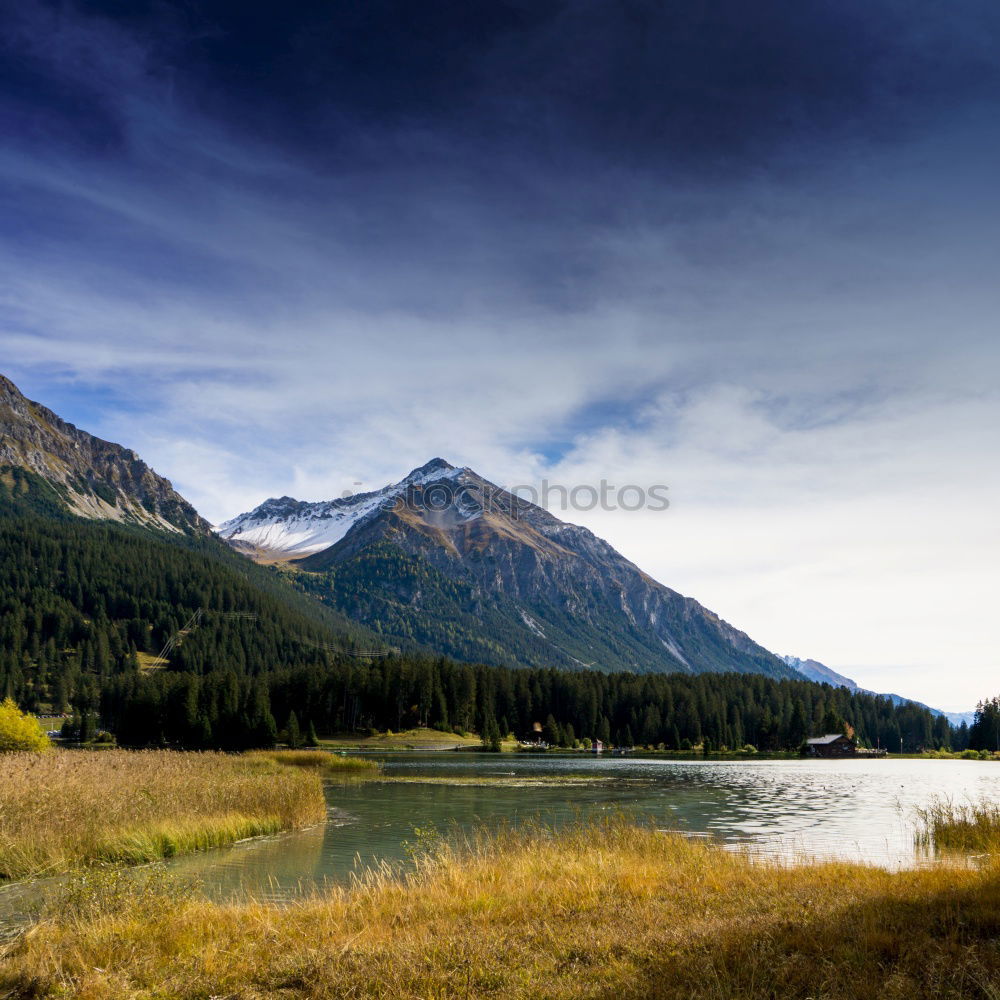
<point x="816" y="671"/>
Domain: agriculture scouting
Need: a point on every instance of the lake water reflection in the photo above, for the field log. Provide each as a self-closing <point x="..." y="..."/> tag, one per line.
<point x="861" y="810"/>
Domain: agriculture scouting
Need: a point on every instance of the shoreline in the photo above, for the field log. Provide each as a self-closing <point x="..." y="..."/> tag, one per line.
<point x="597" y="910"/>
<point x="73" y="810"/>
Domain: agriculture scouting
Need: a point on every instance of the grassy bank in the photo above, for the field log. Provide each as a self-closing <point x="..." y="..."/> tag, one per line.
<point x="967" y="826"/>
<point x="409" y="739"/>
<point x="618" y="911"/>
<point x="64" y="809"/>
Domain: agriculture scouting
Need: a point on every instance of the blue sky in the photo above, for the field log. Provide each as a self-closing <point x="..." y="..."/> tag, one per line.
<point x="748" y="251"/>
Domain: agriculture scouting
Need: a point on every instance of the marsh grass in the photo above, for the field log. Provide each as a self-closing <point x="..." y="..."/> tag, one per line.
<point x="968" y="826"/>
<point x="64" y="809"/>
<point x="613" y="911"/>
<point x="320" y="760"/>
<point x="516" y="781"/>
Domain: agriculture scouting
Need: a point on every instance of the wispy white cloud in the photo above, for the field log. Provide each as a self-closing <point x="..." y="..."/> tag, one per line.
<point x="805" y="353"/>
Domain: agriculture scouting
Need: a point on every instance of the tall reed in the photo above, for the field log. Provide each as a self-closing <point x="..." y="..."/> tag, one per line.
<point x="966" y="826"/>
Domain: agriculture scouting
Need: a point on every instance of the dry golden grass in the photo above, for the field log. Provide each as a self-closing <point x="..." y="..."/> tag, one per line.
<point x="149" y="661"/>
<point x="328" y="763"/>
<point x="408" y="739"/>
<point x="63" y="809"/>
<point x="617" y="912"/>
<point x="968" y="826"/>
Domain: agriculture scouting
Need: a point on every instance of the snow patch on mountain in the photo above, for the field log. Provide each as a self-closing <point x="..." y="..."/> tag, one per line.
<point x="310" y="528"/>
<point x="293" y="528"/>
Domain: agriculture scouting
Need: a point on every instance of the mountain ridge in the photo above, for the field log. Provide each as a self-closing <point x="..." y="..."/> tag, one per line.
<point x="91" y="477"/>
<point x="559" y="592"/>
<point x="305" y="527"/>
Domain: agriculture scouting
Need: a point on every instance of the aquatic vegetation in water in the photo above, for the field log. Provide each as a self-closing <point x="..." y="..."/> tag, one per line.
<point x="967" y="826"/>
<point x="330" y="763"/>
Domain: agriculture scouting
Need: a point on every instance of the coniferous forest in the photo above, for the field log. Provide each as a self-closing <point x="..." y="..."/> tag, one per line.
<point x="86" y="606"/>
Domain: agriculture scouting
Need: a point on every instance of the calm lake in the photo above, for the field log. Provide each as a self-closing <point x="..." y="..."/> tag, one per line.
<point x="857" y="809"/>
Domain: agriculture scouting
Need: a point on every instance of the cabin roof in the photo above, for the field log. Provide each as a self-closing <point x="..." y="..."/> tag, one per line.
<point x="829" y="738"/>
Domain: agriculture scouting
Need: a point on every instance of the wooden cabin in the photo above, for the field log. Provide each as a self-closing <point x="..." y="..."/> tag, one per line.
<point x="831" y="745"/>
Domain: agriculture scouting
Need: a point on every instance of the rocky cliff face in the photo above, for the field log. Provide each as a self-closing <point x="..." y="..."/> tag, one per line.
<point x="451" y="559"/>
<point x="89" y="477"/>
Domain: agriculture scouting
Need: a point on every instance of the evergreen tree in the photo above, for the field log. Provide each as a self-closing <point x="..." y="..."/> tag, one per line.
<point x="551" y="732"/>
<point x="88" y="727"/>
<point x="984" y="733"/>
<point x="265" y="731"/>
<point x="205" y="738"/>
<point x="294" y="737"/>
<point x="651" y="725"/>
<point x="604" y="730"/>
<point x="491" y="735"/>
<point x="831" y="723"/>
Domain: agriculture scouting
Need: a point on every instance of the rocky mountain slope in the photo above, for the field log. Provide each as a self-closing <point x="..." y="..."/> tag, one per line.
<point x="84" y="475"/>
<point x="105" y="566"/>
<point x="447" y="559"/>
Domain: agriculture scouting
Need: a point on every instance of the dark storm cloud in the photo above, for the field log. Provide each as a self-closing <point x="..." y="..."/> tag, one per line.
<point x="646" y="84"/>
<point x="425" y="154"/>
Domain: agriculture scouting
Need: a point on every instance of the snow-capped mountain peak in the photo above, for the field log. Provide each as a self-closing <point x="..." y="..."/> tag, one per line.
<point x="286" y="528"/>
<point x="813" y="670"/>
<point x="444" y="538"/>
<point x="436" y="468"/>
